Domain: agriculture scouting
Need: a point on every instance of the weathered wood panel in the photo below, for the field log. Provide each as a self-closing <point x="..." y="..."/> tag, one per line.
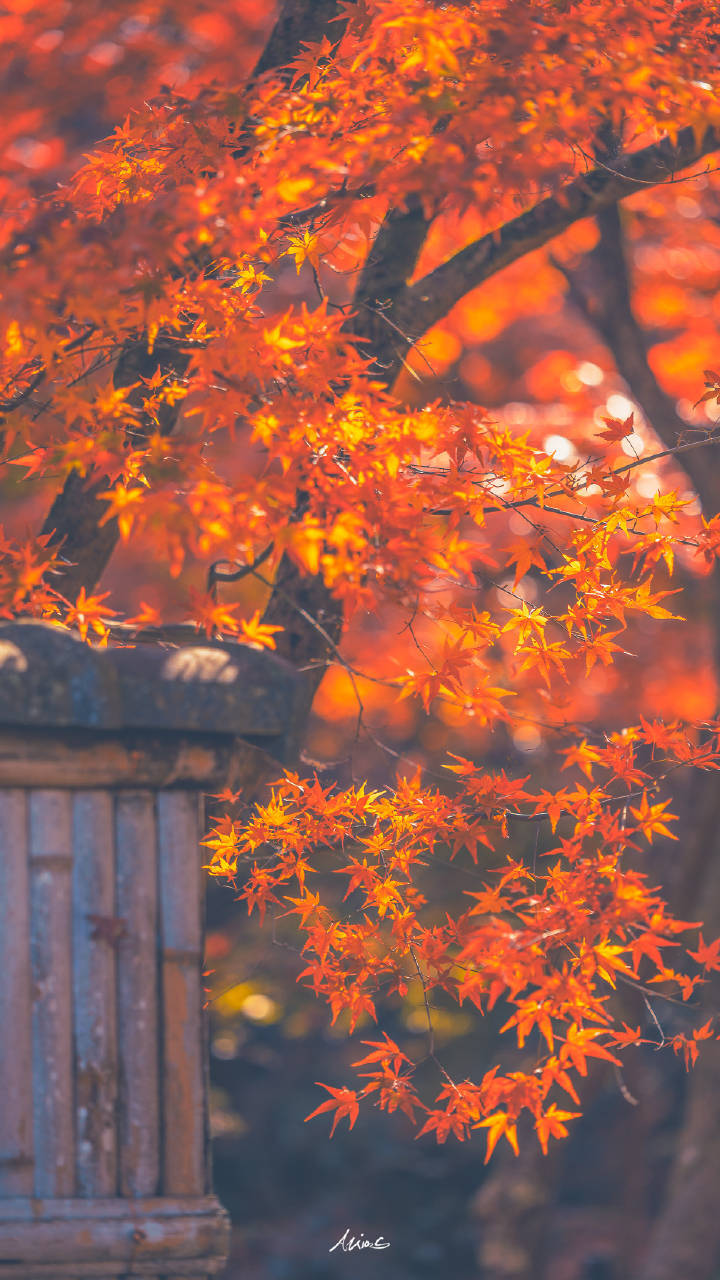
<point x="180" y="887"/>
<point x="50" y="849"/>
<point x="136" y="903"/>
<point x="16" y="1119"/>
<point x="25" y="1209"/>
<point x="79" y="758"/>
<point x="103" y="1061"/>
<point x="90" y="1270"/>
<point x="160" y="1240"/>
<point x="184" y="1236"/>
<point x="186" y="1269"/>
<point x="95" y="935"/>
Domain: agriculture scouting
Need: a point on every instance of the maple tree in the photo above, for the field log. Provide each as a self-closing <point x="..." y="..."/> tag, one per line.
<point x="235" y="269"/>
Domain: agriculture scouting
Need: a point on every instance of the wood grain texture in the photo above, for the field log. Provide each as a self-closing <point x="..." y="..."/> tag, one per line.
<point x="178" y="1236"/>
<point x="136" y="903"/>
<point x="16" y="1117"/>
<point x="83" y="759"/>
<point x="187" y="1269"/>
<point x="29" y="1209"/>
<point x="94" y="976"/>
<point x="182" y="1089"/>
<point x="157" y="1241"/>
<point x="50" y="850"/>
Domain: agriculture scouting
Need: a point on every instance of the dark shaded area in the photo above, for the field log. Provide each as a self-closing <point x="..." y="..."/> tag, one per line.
<point x="582" y="1213"/>
<point x="292" y="1192"/>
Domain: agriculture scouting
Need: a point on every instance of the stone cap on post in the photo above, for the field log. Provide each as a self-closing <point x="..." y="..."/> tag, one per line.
<point x="197" y="714"/>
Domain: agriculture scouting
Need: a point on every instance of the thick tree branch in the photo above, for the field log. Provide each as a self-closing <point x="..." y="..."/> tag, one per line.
<point x="75" y="517"/>
<point x="302" y="604"/>
<point x="389" y="265"/>
<point x="419" y="307"/>
<point x="299" y="22"/>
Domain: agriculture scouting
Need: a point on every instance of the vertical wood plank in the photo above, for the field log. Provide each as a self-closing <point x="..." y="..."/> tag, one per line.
<point x="16" y="1117"/>
<point x="136" y="903"/>
<point x="94" y="951"/>
<point x="50" y="847"/>
<point x="183" y="1082"/>
<point x="205" y="1025"/>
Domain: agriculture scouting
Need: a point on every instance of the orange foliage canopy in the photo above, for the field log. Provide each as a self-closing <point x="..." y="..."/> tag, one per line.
<point x="514" y="569"/>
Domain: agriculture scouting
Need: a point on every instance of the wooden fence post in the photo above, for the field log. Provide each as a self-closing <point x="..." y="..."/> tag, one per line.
<point x="104" y="759"/>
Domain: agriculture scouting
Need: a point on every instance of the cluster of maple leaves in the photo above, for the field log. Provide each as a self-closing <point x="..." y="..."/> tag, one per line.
<point x="551" y="938"/>
<point x="175" y="231"/>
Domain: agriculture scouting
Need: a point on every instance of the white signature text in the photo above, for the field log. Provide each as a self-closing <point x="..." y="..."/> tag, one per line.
<point x="349" y="1243"/>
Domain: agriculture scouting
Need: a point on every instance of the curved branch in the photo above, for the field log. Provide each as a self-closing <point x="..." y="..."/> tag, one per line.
<point x="421" y="305"/>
